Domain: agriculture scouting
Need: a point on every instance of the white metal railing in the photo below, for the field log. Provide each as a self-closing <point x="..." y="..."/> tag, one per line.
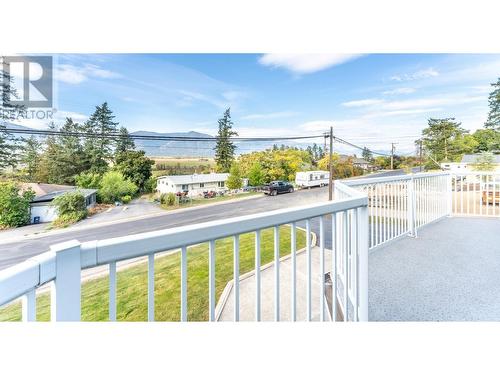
<point x="62" y="265"/>
<point x="399" y="205"/>
<point x="475" y="194"/>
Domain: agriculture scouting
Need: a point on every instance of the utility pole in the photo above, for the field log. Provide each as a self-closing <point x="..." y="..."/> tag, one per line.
<point x="330" y="163"/>
<point x="420" y="153"/>
<point x="392" y="154"/>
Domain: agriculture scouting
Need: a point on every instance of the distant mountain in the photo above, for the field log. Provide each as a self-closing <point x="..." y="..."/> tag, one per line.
<point x="188" y="148"/>
<point x="158" y="147"/>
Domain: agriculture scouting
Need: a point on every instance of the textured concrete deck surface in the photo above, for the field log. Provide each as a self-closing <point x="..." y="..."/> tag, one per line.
<point x="451" y="272"/>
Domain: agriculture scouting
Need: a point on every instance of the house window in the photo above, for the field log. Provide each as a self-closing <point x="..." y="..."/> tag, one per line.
<point x="220" y="184"/>
<point x="202" y="185"/>
<point x="185" y="187"/>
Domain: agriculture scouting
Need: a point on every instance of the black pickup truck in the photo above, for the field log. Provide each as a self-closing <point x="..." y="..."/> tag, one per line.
<point x="277" y="187"/>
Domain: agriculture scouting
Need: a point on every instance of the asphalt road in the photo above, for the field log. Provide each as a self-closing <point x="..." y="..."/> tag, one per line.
<point x="15" y="252"/>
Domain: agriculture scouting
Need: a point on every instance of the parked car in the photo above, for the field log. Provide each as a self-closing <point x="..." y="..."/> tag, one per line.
<point x="209" y="194"/>
<point x="277" y="187"/>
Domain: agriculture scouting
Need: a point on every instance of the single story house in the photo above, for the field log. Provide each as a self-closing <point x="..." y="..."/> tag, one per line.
<point x="41" y="209"/>
<point x="358" y="162"/>
<point x="193" y="185"/>
<point x="467" y="163"/>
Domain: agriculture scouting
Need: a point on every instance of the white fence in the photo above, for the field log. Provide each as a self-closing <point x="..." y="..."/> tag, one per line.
<point x="367" y="213"/>
<point x="62" y="265"/>
<point x="475" y="194"/>
<point x="400" y="205"/>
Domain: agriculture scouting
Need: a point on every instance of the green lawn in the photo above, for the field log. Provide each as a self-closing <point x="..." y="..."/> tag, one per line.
<point x="132" y="282"/>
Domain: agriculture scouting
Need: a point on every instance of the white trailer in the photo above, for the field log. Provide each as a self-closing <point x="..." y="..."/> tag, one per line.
<point x="311" y="179"/>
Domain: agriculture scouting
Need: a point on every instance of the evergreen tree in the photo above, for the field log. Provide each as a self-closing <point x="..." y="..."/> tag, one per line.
<point x="124" y="142"/>
<point x="8" y="144"/>
<point x="30" y="157"/>
<point x="367" y="154"/>
<point x="493" y="121"/>
<point x="224" y="148"/>
<point x="445" y="139"/>
<point x="49" y="168"/>
<point x="99" y="146"/>
<point x="71" y="157"/>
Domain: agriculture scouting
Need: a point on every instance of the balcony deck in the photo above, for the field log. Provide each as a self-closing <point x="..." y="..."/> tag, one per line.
<point x="449" y="273"/>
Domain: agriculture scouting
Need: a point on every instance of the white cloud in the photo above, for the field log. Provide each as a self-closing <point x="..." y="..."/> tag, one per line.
<point x="362" y="103"/>
<point x="58" y="117"/>
<point x="272" y="115"/>
<point x="305" y="63"/>
<point x="77" y="74"/>
<point x="399" y="91"/>
<point x="422" y="103"/>
<point x="420" y="74"/>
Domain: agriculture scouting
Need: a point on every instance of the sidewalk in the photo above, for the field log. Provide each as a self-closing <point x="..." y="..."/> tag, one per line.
<point x="225" y="306"/>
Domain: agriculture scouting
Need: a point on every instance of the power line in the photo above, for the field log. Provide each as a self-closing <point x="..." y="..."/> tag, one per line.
<point x="154" y="137"/>
<point x="183" y="139"/>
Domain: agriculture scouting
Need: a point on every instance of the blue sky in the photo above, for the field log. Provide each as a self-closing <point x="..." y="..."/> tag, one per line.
<point x="371" y="100"/>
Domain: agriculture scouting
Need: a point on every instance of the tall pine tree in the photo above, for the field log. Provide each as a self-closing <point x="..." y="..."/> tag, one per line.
<point x="71" y="158"/>
<point x="493" y="121"/>
<point x="30" y="157"/>
<point x="98" y="146"/>
<point x="224" y="147"/>
<point x="124" y="142"/>
<point x="8" y="144"/>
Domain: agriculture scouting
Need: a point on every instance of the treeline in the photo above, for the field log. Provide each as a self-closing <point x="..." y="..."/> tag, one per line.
<point x="444" y="140"/>
<point x="101" y="151"/>
<point x="178" y="168"/>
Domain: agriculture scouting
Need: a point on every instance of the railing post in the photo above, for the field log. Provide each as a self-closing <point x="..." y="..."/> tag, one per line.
<point x="65" y="294"/>
<point x="411" y="207"/>
<point x="362" y="271"/>
<point x="449" y="194"/>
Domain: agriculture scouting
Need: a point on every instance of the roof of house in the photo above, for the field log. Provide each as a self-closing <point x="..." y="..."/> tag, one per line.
<point x="355" y="160"/>
<point x="471" y="158"/>
<point x="50" y="196"/>
<point x="196" y="178"/>
<point x="44" y="189"/>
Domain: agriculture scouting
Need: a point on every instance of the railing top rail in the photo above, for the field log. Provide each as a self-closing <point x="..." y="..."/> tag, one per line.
<point x="136" y="245"/>
<point x="347" y="189"/>
<point x="377" y="180"/>
<point x="475" y="173"/>
<point x="18" y="280"/>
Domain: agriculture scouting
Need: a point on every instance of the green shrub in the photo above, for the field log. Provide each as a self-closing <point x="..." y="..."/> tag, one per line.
<point x="65" y="220"/>
<point x="88" y="180"/>
<point x="70" y="208"/>
<point x="126" y="199"/>
<point x="150" y="185"/>
<point x="114" y="186"/>
<point x="168" y="199"/>
<point x="14" y="207"/>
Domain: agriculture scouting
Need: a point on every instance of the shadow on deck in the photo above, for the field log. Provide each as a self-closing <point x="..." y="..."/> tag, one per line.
<point x="451" y="272"/>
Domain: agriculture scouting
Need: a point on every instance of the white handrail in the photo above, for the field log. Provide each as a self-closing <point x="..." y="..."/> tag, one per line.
<point x="24" y="278"/>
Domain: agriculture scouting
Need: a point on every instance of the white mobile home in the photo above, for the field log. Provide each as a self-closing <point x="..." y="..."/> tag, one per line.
<point x="312" y="178"/>
<point x="193" y="185"/>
